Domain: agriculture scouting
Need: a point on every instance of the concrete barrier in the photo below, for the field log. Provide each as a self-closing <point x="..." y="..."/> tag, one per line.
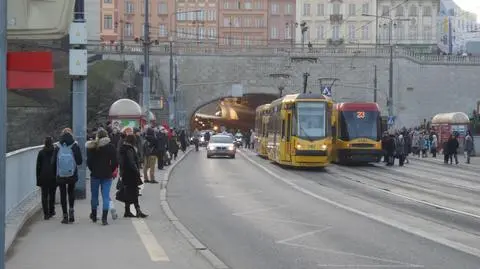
<point x="22" y="194"/>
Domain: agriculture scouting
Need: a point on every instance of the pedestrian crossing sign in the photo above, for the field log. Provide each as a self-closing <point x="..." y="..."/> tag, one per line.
<point x="391" y="120"/>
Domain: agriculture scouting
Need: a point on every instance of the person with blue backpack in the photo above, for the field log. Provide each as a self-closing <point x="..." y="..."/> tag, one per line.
<point x="102" y="162"/>
<point x="66" y="159"/>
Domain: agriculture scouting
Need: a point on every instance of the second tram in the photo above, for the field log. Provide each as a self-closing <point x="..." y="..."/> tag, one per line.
<point x="357" y="133"/>
<point x="261" y="121"/>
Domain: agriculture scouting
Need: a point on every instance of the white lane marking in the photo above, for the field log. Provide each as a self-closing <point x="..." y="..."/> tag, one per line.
<point x="408" y="229"/>
<point x="298" y="236"/>
<point x="238" y="194"/>
<point x="350" y="254"/>
<point x="258" y="210"/>
<point x="156" y="252"/>
<point x="282" y="220"/>
<point x="369" y="266"/>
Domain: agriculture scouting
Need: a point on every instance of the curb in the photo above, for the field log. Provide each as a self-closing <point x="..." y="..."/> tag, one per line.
<point x="192" y="240"/>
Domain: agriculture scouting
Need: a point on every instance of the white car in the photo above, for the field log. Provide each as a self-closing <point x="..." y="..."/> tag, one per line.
<point x="221" y="145"/>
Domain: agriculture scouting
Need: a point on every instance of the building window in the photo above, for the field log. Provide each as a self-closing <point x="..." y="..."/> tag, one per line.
<point x="128" y="29"/>
<point x="399" y="12"/>
<point x="306" y="9"/>
<point x="336" y="32"/>
<point x="248" y="5"/>
<point x="129" y="7"/>
<point x="258" y="5"/>
<point x="288" y="32"/>
<point x="351" y="32"/>
<point x="259" y="23"/>
<point x="275" y="8"/>
<point x="427" y="33"/>
<point x="366" y="8"/>
<point x="162" y="30"/>
<point x="400" y="31"/>
<point x="385" y="11"/>
<point x="413" y="11"/>
<point x="162" y="8"/>
<point x="320" y="32"/>
<point x="320" y="10"/>
<point x="336" y="9"/>
<point x="247" y="21"/>
<point x="351" y="10"/>
<point x="288" y="9"/>
<point x="365" y="32"/>
<point x="107" y="1"/>
<point x="412" y="32"/>
<point x="274" y="33"/>
<point x="427" y="11"/>
<point x="226" y="4"/>
<point x="107" y="22"/>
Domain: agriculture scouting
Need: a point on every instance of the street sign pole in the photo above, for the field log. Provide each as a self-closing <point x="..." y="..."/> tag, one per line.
<point x="3" y="119"/>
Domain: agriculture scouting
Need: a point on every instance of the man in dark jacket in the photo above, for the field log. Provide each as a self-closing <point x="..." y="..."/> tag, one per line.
<point x="67" y="185"/>
<point x="150" y="152"/>
<point x="46" y="178"/>
<point x="161" y="139"/>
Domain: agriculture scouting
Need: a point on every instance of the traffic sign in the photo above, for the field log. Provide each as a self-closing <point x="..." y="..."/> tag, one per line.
<point x="391" y="120"/>
<point x="327" y="91"/>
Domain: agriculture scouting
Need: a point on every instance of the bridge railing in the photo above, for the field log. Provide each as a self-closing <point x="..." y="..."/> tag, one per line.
<point x="369" y="51"/>
<point x="21" y="177"/>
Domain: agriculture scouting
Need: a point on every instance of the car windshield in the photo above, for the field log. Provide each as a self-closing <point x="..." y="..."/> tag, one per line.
<point x="360" y="124"/>
<point x="311" y="119"/>
<point x="221" y="139"/>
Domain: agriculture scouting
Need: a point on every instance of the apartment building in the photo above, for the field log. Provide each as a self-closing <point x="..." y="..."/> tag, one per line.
<point x="196" y="20"/>
<point x="336" y="21"/>
<point x="243" y="22"/>
<point x="281" y="22"/>
<point x="124" y="19"/>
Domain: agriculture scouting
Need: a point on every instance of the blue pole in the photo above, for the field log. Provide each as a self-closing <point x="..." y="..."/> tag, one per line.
<point x="450" y="36"/>
<point x="3" y="120"/>
<point x="79" y="109"/>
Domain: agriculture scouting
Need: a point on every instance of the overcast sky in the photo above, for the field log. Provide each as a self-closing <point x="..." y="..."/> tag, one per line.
<point x="470" y="5"/>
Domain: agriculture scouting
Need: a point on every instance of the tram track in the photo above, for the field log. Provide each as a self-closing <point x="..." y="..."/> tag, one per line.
<point x="355" y="185"/>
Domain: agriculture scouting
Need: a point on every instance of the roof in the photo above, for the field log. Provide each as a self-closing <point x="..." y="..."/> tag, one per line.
<point x="299" y="96"/>
<point x="451" y="118"/>
<point x="262" y="107"/>
<point x="125" y="107"/>
<point x="357" y="106"/>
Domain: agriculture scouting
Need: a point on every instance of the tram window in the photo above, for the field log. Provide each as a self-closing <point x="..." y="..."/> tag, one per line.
<point x="283" y="128"/>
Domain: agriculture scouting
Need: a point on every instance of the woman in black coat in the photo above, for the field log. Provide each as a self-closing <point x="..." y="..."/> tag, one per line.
<point x="130" y="173"/>
<point x="46" y="177"/>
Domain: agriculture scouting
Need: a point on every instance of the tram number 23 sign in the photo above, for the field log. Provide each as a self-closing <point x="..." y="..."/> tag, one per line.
<point x="361" y="115"/>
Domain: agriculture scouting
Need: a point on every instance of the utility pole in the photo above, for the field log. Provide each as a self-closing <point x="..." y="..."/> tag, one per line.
<point x="171" y="103"/>
<point x="375" y="84"/>
<point x="79" y="92"/>
<point x="146" y="64"/>
<point x="3" y="119"/>
<point x="390" y="72"/>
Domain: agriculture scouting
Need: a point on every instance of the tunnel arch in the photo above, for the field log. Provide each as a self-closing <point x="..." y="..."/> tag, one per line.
<point x="253" y="100"/>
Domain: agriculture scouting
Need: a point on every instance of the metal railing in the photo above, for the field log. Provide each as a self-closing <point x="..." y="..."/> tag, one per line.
<point x="21" y="182"/>
<point x="348" y="51"/>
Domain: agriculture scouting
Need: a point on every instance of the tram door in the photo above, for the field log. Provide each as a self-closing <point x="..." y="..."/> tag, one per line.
<point x="286" y="135"/>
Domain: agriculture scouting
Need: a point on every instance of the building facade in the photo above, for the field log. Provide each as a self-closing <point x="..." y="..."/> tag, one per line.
<point x="243" y="23"/>
<point x="281" y="22"/>
<point x="123" y="20"/>
<point x="196" y="20"/>
<point x="336" y="22"/>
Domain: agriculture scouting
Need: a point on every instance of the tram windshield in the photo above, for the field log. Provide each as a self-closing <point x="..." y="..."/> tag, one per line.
<point x="360" y="124"/>
<point x="311" y="119"/>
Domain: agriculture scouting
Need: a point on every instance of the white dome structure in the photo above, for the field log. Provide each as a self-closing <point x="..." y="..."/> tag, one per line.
<point x="451" y="118"/>
<point x="125" y="107"/>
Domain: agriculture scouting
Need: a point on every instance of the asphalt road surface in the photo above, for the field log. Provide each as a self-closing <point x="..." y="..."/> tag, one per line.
<point x="260" y="216"/>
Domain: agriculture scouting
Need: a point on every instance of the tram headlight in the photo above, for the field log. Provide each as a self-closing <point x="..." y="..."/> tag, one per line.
<point x="324" y="147"/>
<point x="298" y="146"/>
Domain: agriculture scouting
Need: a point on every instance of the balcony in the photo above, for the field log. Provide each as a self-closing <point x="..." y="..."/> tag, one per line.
<point x="335" y="42"/>
<point x="336" y="18"/>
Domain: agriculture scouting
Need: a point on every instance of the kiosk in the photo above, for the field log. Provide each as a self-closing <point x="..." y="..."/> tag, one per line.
<point x="125" y="113"/>
<point x="445" y="124"/>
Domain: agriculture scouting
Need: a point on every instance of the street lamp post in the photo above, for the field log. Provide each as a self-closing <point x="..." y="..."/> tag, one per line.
<point x="304" y="28"/>
<point x="281" y="82"/>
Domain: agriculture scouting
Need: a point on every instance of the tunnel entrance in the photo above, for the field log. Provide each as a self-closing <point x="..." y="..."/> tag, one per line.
<point x="230" y="112"/>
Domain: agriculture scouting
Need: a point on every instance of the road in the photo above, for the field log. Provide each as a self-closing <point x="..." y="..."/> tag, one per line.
<point x="258" y="215"/>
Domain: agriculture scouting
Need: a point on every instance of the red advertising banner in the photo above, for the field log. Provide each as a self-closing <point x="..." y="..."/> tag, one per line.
<point x="30" y="70"/>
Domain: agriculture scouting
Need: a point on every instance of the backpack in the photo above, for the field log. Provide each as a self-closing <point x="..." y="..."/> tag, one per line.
<point x="66" y="164"/>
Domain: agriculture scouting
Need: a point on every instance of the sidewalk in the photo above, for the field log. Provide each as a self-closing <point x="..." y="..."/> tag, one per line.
<point x="151" y="243"/>
<point x="474" y="161"/>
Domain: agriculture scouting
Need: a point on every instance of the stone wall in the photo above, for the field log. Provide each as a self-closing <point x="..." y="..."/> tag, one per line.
<point x="420" y="90"/>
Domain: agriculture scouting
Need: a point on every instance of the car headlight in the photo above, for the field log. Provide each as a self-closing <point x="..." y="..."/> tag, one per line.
<point x="231" y="147"/>
<point x="211" y="147"/>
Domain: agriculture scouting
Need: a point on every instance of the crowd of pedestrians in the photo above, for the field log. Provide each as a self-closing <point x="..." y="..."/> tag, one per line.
<point x="111" y="154"/>
<point x="423" y="143"/>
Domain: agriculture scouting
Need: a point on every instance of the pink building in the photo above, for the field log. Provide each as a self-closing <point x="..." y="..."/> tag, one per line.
<point x="196" y="21"/>
<point x="281" y="22"/>
<point x="243" y="23"/>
